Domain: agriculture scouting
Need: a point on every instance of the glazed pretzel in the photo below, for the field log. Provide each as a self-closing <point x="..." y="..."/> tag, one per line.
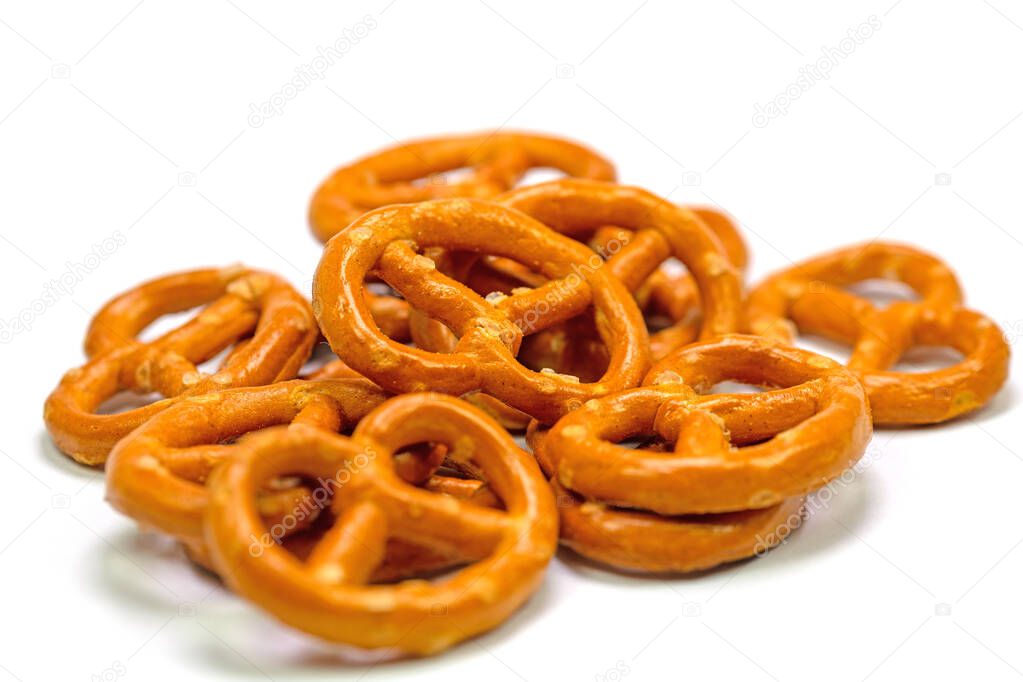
<point x="812" y="296"/>
<point x="388" y="242"/>
<point x="156" y="475"/>
<point x="273" y="323"/>
<point x="326" y="595"/>
<point x="806" y="431"/>
<point x="395" y="176"/>
<point x="573" y="348"/>
<point x="578" y="208"/>
<point x="649" y="543"/>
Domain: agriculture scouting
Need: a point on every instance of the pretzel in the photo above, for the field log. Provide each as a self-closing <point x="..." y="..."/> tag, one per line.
<point x="573" y="348"/>
<point x="813" y="297"/>
<point x="326" y="595"/>
<point x="273" y="322"/>
<point x="580" y="207"/>
<point x="396" y="175"/>
<point x="623" y="505"/>
<point x="490" y="331"/>
<point x="156" y="475"/>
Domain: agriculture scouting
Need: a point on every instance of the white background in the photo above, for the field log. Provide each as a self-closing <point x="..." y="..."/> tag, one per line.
<point x="134" y="117"/>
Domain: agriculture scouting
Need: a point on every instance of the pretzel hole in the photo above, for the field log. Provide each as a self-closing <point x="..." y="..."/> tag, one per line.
<point x="126" y="401"/>
<point x="573" y="348"/>
<point x="287" y="517"/>
<point x="650" y="443"/>
<point x="417" y="462"/>
<point x="822" y="345"/>
<point x="165" y="323"/>
<point x="538" y="175"/>
<point x="212" y="364"/>
<point x="734" y="387"/>
<point x="451" y="176"/>
<point x="382" y="289"/>
<point x="927" y="359"/>
<point x="882" y="292"/>
<point x="321" y="355"/>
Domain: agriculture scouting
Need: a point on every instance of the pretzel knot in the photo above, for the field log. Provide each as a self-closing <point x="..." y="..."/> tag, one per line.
<point x="738" y="465"/>
<point x="812" y="296"/>
<point x="327" y="594"/>
<point x="413" y="172"/>
<point x="271" y="324"/>
<point x="390" y="241"/>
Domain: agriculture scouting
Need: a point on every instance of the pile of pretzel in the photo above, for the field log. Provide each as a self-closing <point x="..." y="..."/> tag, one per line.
<point x="381" y="500"/>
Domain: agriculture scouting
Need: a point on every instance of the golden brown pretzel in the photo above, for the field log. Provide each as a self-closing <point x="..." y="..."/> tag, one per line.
<point x="388" y="241"/>
<point x="326" y="595"/>
<point x="396" y="175"/>
<point x="273" y="322"/>
<point x="811" y="295"/>
<point x="156" y="475"/>
<point x="650" y="543"/>
<point x="573" y="347"/>
<point x="580" y="208"/>
<point x="806" y="431"/>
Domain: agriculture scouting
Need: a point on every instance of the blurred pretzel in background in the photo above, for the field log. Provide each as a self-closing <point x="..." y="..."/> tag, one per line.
<point x="811" y="297"/>
<point x="327" y="594"/>
<point x="414" y="171"/>
<point x="389" y="242"/>
<point x="725" y="474"/>
<point x="270" y="325"/>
